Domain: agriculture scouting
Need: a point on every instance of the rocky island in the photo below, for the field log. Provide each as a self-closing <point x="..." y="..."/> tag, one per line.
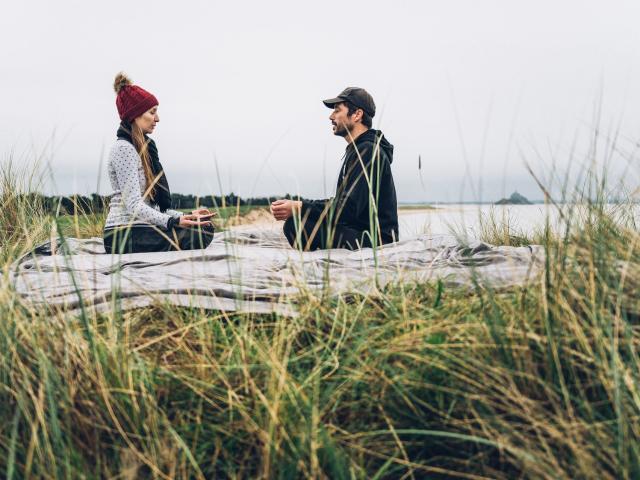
<point x="514" y="199"/>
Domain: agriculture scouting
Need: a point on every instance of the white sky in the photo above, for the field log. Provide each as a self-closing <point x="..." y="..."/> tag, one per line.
<point x="483" y="80"/>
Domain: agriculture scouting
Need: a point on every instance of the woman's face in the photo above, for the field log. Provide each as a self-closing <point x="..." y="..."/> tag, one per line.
<point x="147" y="121"/>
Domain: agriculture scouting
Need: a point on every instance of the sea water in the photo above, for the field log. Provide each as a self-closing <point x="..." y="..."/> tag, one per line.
<point x="466" y="219"/>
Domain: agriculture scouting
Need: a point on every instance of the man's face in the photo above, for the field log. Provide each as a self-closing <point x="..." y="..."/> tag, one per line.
<point x="341" y="121"/>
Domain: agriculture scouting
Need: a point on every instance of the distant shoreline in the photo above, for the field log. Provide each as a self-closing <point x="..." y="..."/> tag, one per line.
<point x="437" y="204"/>
<point x="416" y="206"/>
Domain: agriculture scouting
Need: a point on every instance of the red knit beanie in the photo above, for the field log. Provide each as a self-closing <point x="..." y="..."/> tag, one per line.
<point x="132" y="100"/>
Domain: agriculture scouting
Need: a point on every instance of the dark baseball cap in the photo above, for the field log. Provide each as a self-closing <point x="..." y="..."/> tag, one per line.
<point x="357" y="96"/>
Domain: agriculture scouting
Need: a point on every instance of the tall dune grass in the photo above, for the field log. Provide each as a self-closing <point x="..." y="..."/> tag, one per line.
<point x="421" y="381"/>
<point x="23" y="220"/>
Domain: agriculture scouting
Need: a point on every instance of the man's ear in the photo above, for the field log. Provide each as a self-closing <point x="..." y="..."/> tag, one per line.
<point x="357" y="115"/>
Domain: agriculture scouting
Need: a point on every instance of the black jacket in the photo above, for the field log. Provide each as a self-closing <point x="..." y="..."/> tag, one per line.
<point x="361" y="191"/>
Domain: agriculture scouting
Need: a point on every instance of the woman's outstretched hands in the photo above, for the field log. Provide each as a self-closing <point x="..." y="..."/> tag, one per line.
<point x="283" y="209"/>
<point x="197" y="218"/>
<point x="202" y="211"/>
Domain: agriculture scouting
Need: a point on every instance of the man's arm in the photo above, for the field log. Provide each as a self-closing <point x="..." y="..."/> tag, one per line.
<point x="315" y="207"/>
<point x="361" y="185"/>
<point x="283" y="209"/>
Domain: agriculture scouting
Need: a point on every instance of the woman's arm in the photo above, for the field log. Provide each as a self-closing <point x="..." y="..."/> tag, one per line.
<point x="125" y="162"/>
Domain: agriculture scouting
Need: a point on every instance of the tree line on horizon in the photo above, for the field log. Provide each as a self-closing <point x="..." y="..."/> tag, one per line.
<point x="76" y="204"/>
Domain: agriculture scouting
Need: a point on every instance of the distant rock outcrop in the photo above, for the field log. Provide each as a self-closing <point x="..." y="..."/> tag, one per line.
<point x="514" y="199"/>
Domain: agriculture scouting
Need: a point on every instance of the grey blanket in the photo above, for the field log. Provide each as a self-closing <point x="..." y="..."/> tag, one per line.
<point x="254" y="269"/>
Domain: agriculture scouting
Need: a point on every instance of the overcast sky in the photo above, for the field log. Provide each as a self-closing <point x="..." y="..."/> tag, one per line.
<point x="471" y="86"/>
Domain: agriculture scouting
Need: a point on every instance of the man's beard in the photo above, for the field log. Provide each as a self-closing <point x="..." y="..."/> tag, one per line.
<point x="341" y="130"/>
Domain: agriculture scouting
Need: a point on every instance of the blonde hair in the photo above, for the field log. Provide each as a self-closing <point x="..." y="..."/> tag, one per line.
<point x="141" y="145"/>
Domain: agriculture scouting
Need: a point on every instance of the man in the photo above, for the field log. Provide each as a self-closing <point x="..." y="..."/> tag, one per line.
<point x="364" y="211"/>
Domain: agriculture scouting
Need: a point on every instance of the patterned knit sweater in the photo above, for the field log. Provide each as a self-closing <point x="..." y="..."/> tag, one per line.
<point x="128" y="182"/>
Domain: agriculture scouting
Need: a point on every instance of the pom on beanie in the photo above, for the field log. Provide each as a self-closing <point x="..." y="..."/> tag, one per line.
<point x="131" y="100"/>
<point x="121" y="81"/>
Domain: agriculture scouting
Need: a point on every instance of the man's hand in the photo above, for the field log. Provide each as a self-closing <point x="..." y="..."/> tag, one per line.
<point x="283" y="209"/>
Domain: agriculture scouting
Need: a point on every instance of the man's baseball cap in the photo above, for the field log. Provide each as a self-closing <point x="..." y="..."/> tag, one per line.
<point x="357" y="96"/>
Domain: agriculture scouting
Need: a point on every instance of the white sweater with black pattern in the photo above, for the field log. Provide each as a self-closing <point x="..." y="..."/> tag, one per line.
<point x="128" y="182"/>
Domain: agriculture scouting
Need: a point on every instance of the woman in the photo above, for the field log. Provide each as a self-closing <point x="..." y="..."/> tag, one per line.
<point x="139" y="218"/>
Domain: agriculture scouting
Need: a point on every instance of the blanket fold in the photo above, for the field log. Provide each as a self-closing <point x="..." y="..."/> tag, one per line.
<point x="256" y="270"/>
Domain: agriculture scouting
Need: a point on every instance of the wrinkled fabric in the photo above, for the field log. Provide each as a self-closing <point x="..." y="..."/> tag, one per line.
<point x="254" y="269"/>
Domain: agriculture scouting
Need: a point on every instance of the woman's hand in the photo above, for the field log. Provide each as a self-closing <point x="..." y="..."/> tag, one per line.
<point x="283" y="209"/>
<point x="191" y="220"/>
<point x="202" y="211"/>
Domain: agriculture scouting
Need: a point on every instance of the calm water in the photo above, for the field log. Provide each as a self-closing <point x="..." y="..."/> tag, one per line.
<point x="466" y="218"/>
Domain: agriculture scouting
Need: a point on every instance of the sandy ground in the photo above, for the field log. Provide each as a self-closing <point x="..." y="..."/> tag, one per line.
<point x="254" y="217"/>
